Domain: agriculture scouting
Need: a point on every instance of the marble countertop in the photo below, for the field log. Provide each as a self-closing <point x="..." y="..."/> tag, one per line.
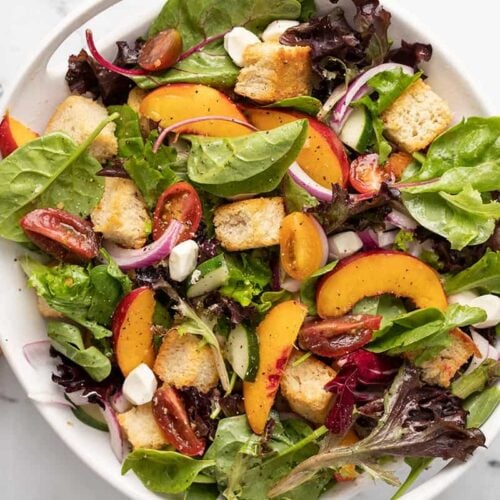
<point x="34" y="463"/>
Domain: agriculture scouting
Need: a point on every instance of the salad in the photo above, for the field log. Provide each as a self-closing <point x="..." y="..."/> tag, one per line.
<point x="268" y="261"/>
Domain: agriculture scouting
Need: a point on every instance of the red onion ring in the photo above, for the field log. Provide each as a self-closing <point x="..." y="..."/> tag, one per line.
<point x="357" y="89"/>
<point x="151" y="254"/>
<point x="310" y="185"/>
<point x="401" y="220"/>
<point x="37" y="353"/>
<point x="324" y="241"/>
<point x="369" y="239"/>
<point x="107" y="64"/>
<point x="116" y="436"/>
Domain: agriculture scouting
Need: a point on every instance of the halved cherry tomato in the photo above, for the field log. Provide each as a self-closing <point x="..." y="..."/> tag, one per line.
<point x="64" y="236"/>
<point x="334" y="338"/>
<point x="301" y="246"/>
<point x="171" y="416"/>
<point x="366" y="175"/>
<point x="182" y="203"/>
<point x="162" y="51"/>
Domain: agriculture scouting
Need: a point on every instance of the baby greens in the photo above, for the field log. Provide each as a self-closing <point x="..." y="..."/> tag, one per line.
<point x="51" y="171"/>
<point x="200" y="20"/>
<point x="305" y="104"/>
<point x="424" y="332"/>
<point x="254" y="163"/>
<point x="67" y="339"/>
<point x="165" y="471"/>
<point x="484" y="275"/>
<point x="88" y="296"/>
<point x="450" y="191"/>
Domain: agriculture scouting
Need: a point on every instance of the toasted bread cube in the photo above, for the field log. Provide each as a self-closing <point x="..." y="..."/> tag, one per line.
<point x="441" y="369"/>
<point x="247" y="224"/>
<point x="78" y="117"/>
<point x="186" y="361"/>
<point x="273" y="72"/>
<point x="416" y="118"/>
<point x="121" y="215"/>
<point x="141" y="428"/>
<point x="304" y="387"/>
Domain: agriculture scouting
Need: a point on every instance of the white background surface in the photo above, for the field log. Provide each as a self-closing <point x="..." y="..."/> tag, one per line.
<point x="34" y="464"/>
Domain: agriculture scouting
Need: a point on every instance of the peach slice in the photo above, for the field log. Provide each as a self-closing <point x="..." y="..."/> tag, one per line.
<point x="132" y="330"/>
<point x="323" y="157"/>
<point x="13" y="134"/>
<point x="277" y="334"/>
<point x="375" y="273"/>
<point x="173" y="103"/>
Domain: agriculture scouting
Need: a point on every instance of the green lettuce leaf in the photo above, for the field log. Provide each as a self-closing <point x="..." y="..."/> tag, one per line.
<point x="308" y="288"/>
<point x="481" y="406"/>
<point x="484" y="274"/>
<point x="254" y="163"/>
<point x="296" y="198"/>
<point x="305" y="104"/>
<point x="476" y="381"/>
<point x="201" y="19"/>
<point x="423" y="331"/>
<point x="67" y="340"/>
<point x="249" y="275"/>
<point x="128" y="131"/>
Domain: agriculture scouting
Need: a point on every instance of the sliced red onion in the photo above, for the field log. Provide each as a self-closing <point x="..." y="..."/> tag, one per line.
<point x="107" y="64"/>
<point x="416" y="248"/>
<point x="492" y="353"/>
<point x="310" y="185"/>
<point x="369" y="239"/>
<point x="484" y="348"/>
<point x="386" y="238"/>
<point x="357" y="89"/>
<point x="189" y="121"/>
<point x="116" y="436"/>
<point x="120" y="403"/>
<point x="151" y="254"/>
<point x="401" y="220"/>
<point x="324" y="242"/>
<point x="37" y="353"/>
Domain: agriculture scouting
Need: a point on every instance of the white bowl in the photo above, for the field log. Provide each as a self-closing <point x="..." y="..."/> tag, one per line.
<point x="38" y="89"/>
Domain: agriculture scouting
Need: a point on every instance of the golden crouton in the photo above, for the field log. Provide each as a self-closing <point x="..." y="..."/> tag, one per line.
<point x="416" y="118"/>
<point x="303" y="387"/>
<point x="249" y="224"/>
<point x="121" y="215"/>
<point x="441" y="369"/>
<point x="273" y="72"/>
<point x="185" y="361"/>
<point x="141" y="428"/>
<point x="78" y="117"/>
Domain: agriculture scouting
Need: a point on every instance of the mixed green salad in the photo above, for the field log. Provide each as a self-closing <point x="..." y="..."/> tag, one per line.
<point x="268" y="261"/>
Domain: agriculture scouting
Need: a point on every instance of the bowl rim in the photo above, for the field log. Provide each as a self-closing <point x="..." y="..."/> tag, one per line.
<point x="73" y="22"/>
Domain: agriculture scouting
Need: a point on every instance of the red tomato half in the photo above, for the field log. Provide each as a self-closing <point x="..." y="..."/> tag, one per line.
<point x="366" y="175"/>
<point x="182" y="203"/>
<point x="64" y="236"/>
<point x="172" y="418"/>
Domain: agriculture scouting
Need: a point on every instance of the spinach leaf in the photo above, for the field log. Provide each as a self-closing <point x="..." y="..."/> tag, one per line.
<point x="198" y="20"/>
<point x="305" y="104"/>
<point x="85" y="295"/>
<point x="481" y="406"/>
<point x="128" y="131"/>
<point x="460" y="228"/>
<point x="67" y="340"/>
<point x="164" y="471"/>
<point x="424" y="331"/>
<point x="296" y="198"/>
<point x="249" y="275"/>
<point x="388" y="85"/>
<point x="449" y="191"/>
<point x="477" y="380"/>
<point x="308" y="9"/>
<point x="418" y="465"/>
<point x="201" y="492"/>
<point x="51" y="171"/>
<point x="254" y="163"/>
<point x="308" y="288"/>
<point x="484" y="274"/>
